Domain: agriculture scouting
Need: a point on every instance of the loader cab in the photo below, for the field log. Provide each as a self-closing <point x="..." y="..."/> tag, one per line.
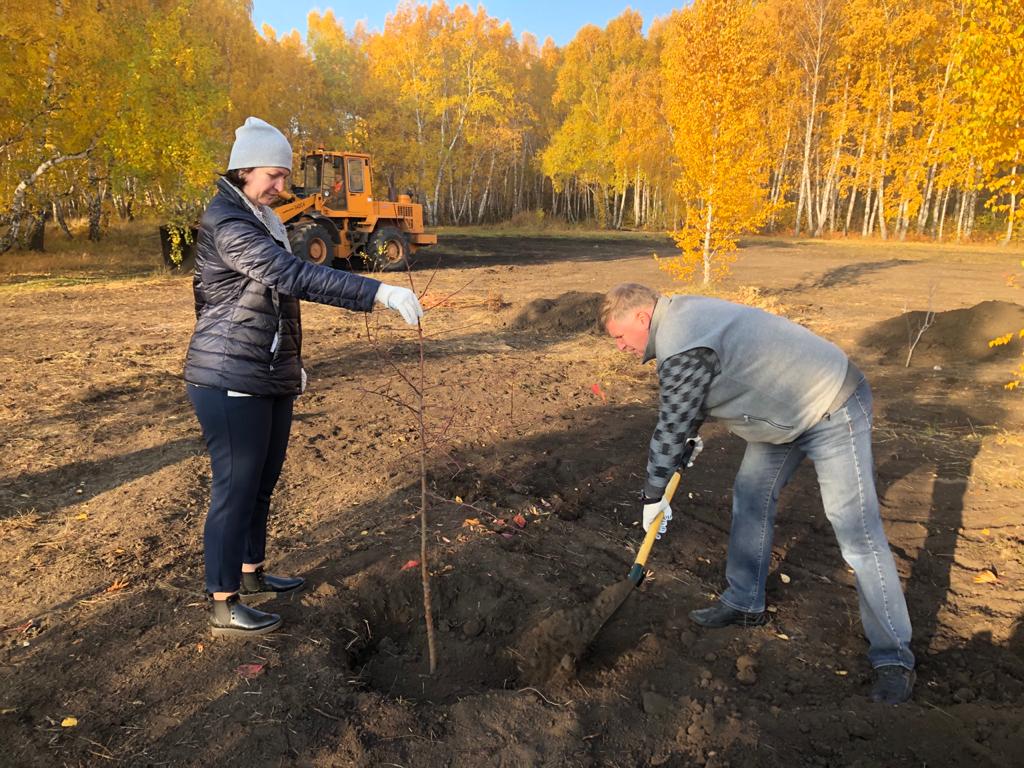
<point x="342" y="179"/>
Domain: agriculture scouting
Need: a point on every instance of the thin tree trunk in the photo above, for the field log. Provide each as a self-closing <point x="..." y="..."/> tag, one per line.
<point x="880" y="207"/>
<point x="939" y="201"/>
<point x="880" y="200"/>
<point x="58" y="216"/>
<point x="869" y="200"/>
<point x="926" y="200"/>
<point x="17" y="207"/>
<point x="776" y="191"/>
<point x="96" y="210"/>
<point x="487" y="190"/>
<point x="941" y="220"/>
<point x="856" y="178"/>
<point x="1013" y="207"/>
<point x="902" y="221"/>
<point x="707" y="247"/>
<point x="636" y="199"/>
<point x="972" y="207"/>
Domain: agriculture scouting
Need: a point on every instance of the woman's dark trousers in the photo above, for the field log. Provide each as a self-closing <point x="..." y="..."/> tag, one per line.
<point x="247" y="438"/>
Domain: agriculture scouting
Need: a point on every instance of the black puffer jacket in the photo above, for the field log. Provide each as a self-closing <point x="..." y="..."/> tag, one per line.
<point x="248" y="335"/>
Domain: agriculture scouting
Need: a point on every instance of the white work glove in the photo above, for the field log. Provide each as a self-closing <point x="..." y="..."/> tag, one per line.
<point x="651" y="511"/>
<point x="698" y="446"/>
<point x="402" y="300"/>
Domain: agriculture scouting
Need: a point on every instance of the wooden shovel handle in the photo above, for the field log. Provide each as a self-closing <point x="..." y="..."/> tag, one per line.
<point x="652" y="531"/>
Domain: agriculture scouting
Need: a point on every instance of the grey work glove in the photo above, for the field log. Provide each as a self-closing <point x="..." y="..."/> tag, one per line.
<point x="402" y="300"/>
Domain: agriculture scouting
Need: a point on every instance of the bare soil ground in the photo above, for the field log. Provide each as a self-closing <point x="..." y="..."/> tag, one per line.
<point x="104" y="482"/>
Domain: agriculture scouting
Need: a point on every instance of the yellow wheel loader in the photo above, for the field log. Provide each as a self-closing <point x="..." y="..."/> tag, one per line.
<point x="333" y="218"/>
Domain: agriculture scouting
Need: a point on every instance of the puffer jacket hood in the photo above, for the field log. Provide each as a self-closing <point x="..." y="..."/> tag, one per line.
<point x="247" y="287"/>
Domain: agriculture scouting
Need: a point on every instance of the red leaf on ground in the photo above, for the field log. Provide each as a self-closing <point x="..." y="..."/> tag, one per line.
<point x="250" y="670"/>
<point x="410" y="565"/>
<point x="519" y="520"/>
<point x="596" y="389"/>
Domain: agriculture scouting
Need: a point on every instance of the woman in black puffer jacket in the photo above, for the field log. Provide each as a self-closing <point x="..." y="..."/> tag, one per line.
<point x="244" y="364"/>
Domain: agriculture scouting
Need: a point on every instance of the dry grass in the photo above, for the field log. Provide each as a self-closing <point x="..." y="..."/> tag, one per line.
<point x="129" y="250"/>
<point x="492" y="301"/>
<point x="750" y="295"/>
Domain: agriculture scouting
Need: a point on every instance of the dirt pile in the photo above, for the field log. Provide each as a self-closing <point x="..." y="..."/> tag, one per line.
<point x="956" y="336"/>
<point x="552" y="648"/>
<point x="571" y="313"/>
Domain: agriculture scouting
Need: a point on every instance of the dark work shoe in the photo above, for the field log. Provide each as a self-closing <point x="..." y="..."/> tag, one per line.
<point x="893" y="684"/>
<point x="721" y="615"/>
<point x="260" y="583"/>
<point x="235" y="619"/>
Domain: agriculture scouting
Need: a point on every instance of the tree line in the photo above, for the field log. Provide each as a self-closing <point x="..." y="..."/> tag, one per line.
<point x="890" y="118"/>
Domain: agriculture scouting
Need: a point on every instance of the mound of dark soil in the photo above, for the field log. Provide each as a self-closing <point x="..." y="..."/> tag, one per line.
<point x="956" y="336"/>
<point x="571" y="313"/>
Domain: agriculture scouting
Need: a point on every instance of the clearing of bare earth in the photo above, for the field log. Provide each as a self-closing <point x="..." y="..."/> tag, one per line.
<point x="533" y="489"/>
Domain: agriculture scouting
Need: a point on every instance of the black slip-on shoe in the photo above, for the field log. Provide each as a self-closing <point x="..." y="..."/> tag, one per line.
<point x="233" y="618"/>
<point x="893" y="684"/>
<point x="261" y="583"/>
<point x="721" y="615"/>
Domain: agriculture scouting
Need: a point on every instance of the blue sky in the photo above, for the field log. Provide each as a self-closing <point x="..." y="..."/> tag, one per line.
<point x="559" y="19"/>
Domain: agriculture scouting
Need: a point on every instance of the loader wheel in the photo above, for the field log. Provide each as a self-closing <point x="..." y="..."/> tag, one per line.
<point x="311" y="242"/>
<point x="387" y="251"/>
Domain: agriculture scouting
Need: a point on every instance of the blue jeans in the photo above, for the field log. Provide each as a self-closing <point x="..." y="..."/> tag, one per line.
<point x="247" y="438"/>
<point x="840" y="447"/>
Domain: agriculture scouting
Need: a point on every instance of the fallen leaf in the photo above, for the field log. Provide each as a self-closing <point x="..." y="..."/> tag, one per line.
<point x="782" y="636"/>
<point x="472" y="522"/>
<point x="985" y="532"/>
<point x="81" y="515"/>
<point x="250" y="670"/>
<point x="986" y="577"/>
<point x="446" y="540"/>
<point x="410" y="564"/>
<point x="784" y="578"/>
<point x="118" y="585"/>
<point x="200" y="647"/>
<point x="69" y="722"/>
<point x="842" y="672"/>
<point x="458" y="499"/>
<point x="519" y="520"/>
<point x="596" y="389"/>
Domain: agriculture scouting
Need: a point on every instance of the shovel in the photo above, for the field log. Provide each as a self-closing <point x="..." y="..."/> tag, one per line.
<point x="552" y="648"/>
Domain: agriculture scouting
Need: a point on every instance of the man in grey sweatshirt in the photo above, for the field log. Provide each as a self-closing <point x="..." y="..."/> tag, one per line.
<point x="790" y="394"/>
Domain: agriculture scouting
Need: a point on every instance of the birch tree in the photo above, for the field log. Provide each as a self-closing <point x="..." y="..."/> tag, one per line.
<point x="711" y="71"/>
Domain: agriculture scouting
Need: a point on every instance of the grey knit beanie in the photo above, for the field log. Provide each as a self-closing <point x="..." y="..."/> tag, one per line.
<point x="258" y="144"/>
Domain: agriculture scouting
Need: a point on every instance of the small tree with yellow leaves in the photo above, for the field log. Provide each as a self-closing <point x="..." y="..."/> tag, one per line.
<point x="712" y="69"/>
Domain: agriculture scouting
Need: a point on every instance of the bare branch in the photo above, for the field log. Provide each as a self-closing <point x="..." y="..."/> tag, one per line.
<point x="923" y="325"/>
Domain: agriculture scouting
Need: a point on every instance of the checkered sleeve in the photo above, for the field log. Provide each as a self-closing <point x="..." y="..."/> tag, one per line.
<point x="684" y="382"/>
